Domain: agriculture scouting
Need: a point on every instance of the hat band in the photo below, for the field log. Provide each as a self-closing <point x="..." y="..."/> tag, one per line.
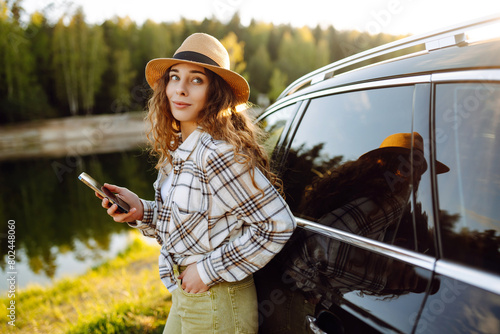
<point x="196" y="57"/>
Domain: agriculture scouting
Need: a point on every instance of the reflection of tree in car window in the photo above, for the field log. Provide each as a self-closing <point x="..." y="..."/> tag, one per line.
<point x="273" y="135"/>
<point x="273" y="126"/>
<point x="303" y="165"/>
<point x="468" y="120"/>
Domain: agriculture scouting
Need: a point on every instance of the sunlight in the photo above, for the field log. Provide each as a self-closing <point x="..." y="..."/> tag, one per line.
<point x="484" y="33"/>
<point x="399" y="17"/>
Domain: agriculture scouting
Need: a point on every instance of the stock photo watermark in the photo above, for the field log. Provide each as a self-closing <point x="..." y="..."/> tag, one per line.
<point x="225" y="9"/>
<point x="11" y="273"/>
<point x="448" y="294"/>
<point x="383" y="17"/>
<point x="378" y="20"/>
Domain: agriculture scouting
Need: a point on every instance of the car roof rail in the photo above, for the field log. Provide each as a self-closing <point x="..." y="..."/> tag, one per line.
<point x="453" y="35"/>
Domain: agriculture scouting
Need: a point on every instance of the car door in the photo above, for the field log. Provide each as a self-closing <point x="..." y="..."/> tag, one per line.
<point x="467" y="140"/>
<point x="356" y="254"/>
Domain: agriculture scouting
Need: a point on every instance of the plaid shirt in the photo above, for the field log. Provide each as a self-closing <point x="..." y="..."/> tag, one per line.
<point x="213" y="215"/>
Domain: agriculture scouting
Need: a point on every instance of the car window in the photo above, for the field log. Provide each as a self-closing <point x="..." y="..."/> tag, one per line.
<point x="274" y="125"/>
<point x="468" y="141"/>
<point x="338" y="174"/>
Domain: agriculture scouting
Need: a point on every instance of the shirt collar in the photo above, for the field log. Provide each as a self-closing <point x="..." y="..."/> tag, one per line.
<point x="188" y="145"/>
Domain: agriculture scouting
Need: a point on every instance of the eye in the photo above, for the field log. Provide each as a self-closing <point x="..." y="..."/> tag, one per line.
<point x="198" y="80"/>
<point x="174" y="77"/>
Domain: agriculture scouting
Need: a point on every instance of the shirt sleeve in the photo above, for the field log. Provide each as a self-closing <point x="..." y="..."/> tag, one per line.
<point x="147" y="225"/>
<point x="267" y="220"/>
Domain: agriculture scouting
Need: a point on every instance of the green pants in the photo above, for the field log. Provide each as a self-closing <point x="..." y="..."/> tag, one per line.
<point x="228" y="307"/>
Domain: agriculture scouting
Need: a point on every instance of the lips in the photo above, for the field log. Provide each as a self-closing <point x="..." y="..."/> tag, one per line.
<point x="180" y="104"/>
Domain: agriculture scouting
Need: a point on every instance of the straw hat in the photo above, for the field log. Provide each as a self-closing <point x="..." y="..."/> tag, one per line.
<point x="401" y="143"/>
<point x="206" y="51"/>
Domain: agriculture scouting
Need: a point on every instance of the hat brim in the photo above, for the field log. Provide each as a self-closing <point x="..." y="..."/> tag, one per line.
<point x="156" y="68"/>
<point x="440" y="167"/>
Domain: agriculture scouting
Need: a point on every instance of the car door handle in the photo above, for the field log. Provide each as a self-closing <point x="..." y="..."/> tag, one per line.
<point x="326" y="323"/>
<point x="313" y="326"/>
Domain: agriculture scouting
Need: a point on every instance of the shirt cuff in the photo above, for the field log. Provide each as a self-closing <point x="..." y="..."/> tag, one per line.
<point x="147" y="218"/>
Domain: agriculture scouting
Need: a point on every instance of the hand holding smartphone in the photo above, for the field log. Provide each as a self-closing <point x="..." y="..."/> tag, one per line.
<point x="123" y="207"/>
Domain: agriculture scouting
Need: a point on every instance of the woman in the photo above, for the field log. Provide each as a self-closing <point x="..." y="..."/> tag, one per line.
<point x="217" y="213"/>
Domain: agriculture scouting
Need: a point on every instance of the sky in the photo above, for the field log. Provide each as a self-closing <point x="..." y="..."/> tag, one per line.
<point x="398" y="17"/>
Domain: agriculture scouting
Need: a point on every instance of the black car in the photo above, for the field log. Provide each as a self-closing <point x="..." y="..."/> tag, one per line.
<point x="391" y="165"/>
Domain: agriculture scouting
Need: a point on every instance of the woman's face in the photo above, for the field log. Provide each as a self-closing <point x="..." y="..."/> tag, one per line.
<point x="187" y="92"/>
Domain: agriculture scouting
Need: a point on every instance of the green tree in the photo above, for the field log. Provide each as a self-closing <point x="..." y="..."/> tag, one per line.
<point x="93" y="50"/>
<point x="155" y="41"/>
<point x="236" y="52"/>
<point x="78" y="51"/>
<point x="40" y="32"/>
<point x="297" y="54"/>
<point x="122" y="38"/>
<point x="275" y="39"/>
<point x="258" y="35"/>
<point x="21" y="96"/>
<point x="260" y="68"/>
<point x="75" y="67"/>
<point x="334" y="42"/>
<point x="213" y="27"/>
<point x="277" y="84"/>
<point x="121" y="66"/>
<point x="322" y="54"/>
<point x="65" y="65"/>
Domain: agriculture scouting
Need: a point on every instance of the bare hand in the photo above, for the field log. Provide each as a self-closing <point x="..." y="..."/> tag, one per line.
<point x="136" y="211"/>
<point x="191" y="281"/>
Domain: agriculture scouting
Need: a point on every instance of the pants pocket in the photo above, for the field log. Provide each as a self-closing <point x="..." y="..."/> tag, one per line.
<point x="195" y="311"/>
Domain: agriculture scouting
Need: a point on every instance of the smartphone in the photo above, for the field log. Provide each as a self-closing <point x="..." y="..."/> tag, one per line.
<point x="104" y="192"/>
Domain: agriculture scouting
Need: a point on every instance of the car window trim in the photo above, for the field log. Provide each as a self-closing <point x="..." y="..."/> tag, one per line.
<point x="270" y="111"/>
<point x="488" y="75"/>
<point x="292" y="130"/>
<point x="407" y="256"/>
<point x="410" y="80"/>
<point x="473" y="75"/>
<point x="472" y="276"/>
<point x="290" y="124"/>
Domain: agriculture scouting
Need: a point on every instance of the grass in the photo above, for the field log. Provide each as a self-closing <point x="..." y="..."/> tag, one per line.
<point x="123" y="295"/>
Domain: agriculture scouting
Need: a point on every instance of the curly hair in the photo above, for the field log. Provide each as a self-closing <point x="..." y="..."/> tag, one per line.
<point x="219" y="118"/>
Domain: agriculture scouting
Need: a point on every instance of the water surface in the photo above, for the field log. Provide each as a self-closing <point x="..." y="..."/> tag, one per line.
<point x="60" y="227"/>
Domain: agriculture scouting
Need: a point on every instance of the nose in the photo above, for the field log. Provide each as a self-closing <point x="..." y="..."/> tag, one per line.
<point x="181" y="88"/>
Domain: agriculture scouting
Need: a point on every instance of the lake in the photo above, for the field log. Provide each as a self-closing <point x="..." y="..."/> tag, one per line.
<point x="60" y="227"/>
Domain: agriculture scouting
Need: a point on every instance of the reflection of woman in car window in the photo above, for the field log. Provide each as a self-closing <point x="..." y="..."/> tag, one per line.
<point x="379" y="174"/>
<point x="366" y="197"/>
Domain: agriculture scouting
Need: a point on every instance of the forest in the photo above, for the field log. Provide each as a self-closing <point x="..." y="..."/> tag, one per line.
<point x="66" y="67"/>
